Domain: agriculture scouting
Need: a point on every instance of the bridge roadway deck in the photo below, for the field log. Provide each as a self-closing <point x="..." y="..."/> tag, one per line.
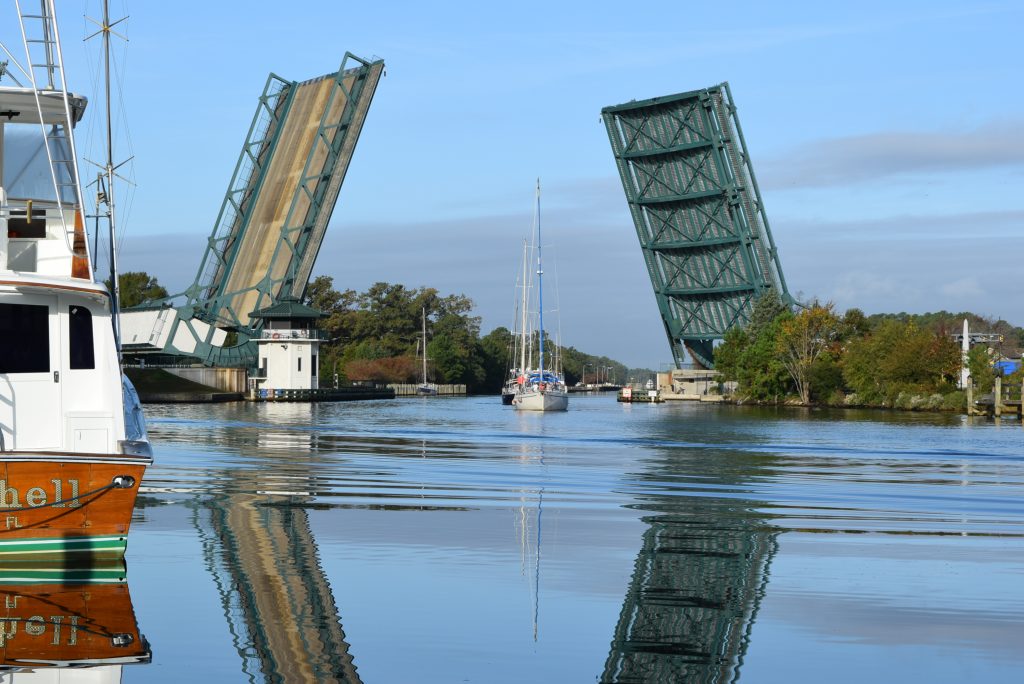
<point x="273" y="210"/>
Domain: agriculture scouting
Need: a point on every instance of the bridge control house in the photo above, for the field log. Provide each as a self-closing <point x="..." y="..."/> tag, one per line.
<point x="288" y="350"/>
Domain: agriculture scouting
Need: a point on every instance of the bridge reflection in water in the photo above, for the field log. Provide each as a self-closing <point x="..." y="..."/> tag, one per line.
<point x="262" y="555"/>
<point x="698" y="579"/>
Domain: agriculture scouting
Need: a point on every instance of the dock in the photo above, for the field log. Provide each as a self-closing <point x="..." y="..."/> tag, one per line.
<point x="324" y="394"/>
<point x="409" y="390"/>
<point x="594" y="387"/>
<point x="1003" y="402"/>
<point x="637" y="394"/>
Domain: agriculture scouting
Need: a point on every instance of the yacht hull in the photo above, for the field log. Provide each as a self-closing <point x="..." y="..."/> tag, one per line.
<point x="537" y="400"/>
<point x="67" y="505"/>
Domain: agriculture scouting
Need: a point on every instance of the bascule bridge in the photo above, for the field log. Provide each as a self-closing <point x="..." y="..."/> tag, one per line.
<point x="698" y="214"/>
<point x="271" y="223"/>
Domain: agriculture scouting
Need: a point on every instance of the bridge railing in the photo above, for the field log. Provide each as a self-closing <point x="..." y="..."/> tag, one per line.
<point x="293" y="334"/>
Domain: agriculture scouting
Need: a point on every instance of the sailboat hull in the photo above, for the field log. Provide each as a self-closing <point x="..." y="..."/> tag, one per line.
<point x="537" y="400"/>
<point x="67" y="505"/>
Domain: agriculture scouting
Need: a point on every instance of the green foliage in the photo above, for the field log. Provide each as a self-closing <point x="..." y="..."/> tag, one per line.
<point x="804" y="339"/>
<point x="979" y="364"/>
<point x="376" y="336"/>
<point x="767" y="309"/>
<point x="495" y="349"/>
<point x="1011" y="338"/>
<point x="455" y="352"/>
<point x="854" y="324"/>
<point x="751" y="357"/>
<point x="825" y="378"/>
<point x="729" y="354"/>
<point x="137" y="287"/>
<point x="763" y="374"/>
<point x="900" y="358"/>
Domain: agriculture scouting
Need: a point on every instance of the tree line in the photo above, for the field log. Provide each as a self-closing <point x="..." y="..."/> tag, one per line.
<point x="375" y="336"/>
<point x="816" y="356"/>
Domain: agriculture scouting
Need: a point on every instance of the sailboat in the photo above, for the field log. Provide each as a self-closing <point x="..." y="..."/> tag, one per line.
<point x="540" y="388"/>
<point x="425" y="389"/>
<point x="73" y="445"/>
<point x="517" y="346"/>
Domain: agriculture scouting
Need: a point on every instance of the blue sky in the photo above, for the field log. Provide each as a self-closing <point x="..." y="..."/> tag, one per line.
<point x="886" y="138"/>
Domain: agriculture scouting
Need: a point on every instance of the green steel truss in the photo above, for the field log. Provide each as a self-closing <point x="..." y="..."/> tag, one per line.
<point x="698" y="214"/>
<point x="210" y="300"/>
<point x="228" y="234"/>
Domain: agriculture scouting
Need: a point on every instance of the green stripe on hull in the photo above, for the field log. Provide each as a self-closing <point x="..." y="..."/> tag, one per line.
<point x="112" y="573"/>
<point x="60" y="547"/>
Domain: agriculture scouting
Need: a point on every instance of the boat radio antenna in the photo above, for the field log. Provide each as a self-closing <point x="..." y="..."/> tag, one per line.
<point x="109" y="168"/>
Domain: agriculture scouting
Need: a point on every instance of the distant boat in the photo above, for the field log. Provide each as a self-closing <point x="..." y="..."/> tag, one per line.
<point x="519" y="338"/>
<point x="425" y="389"/>
<point x="540" y="388"/>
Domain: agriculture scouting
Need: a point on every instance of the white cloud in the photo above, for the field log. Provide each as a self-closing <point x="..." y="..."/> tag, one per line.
<point x="963" y="288"/>
<point x="884" y="154"/>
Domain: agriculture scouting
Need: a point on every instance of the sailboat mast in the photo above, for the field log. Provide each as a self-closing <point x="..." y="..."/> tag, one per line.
<point x="540" y="289"/>
<point x="522" y="326"/>
<point x="424" y="345"/>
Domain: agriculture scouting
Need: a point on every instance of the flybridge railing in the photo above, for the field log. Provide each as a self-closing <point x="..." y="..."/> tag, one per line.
<point x="41" y="38"/>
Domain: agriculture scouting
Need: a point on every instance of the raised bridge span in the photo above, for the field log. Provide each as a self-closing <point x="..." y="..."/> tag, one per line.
<point x="698" y="214"/>
<point x="272" y="220"/>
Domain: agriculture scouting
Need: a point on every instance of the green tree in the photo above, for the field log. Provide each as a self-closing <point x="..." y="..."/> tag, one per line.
<point x="750" y="357"/>
<point x="979" y="365"/>
<point x="802" y="340"/>
<point x="137" y="287"/>
<point x="899" y="357"/>
<point x="496" y="347"/>
<point x="455" y="352"/>
<point x="767" y="308"/>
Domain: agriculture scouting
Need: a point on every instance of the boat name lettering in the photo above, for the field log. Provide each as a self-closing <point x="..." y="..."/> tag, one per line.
<point x="64" y="627"/>
<point x="10" y="497"/>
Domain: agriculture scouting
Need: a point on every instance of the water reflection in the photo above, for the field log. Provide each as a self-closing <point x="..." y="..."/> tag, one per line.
<point x="282" y="617"/>
<point x="484" y="545"/>
<point x="80" y="622"/>
<point x="698" y="580"/>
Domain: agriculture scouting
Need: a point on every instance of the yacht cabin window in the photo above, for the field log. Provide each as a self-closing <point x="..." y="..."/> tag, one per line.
<point x="24" y="338"/>
<point x="80" y="340"/>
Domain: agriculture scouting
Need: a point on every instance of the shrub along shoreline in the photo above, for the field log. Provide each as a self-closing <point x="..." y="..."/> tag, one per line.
<point x="816" y="357"/>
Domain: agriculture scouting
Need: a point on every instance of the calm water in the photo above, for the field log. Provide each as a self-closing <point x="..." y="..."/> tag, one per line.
<point x="456" y="540"/>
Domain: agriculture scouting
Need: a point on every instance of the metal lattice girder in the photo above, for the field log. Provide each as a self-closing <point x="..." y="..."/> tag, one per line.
<point x="302" y="162"/>
<point x="697" y="212"/>
<point x="274" y="215"/>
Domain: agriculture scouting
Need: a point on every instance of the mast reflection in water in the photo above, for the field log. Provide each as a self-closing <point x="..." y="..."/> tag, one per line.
<point x="699" y="578"/>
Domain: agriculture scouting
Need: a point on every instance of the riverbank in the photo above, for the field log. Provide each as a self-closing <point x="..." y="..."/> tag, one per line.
<point x="954" y="402"/>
